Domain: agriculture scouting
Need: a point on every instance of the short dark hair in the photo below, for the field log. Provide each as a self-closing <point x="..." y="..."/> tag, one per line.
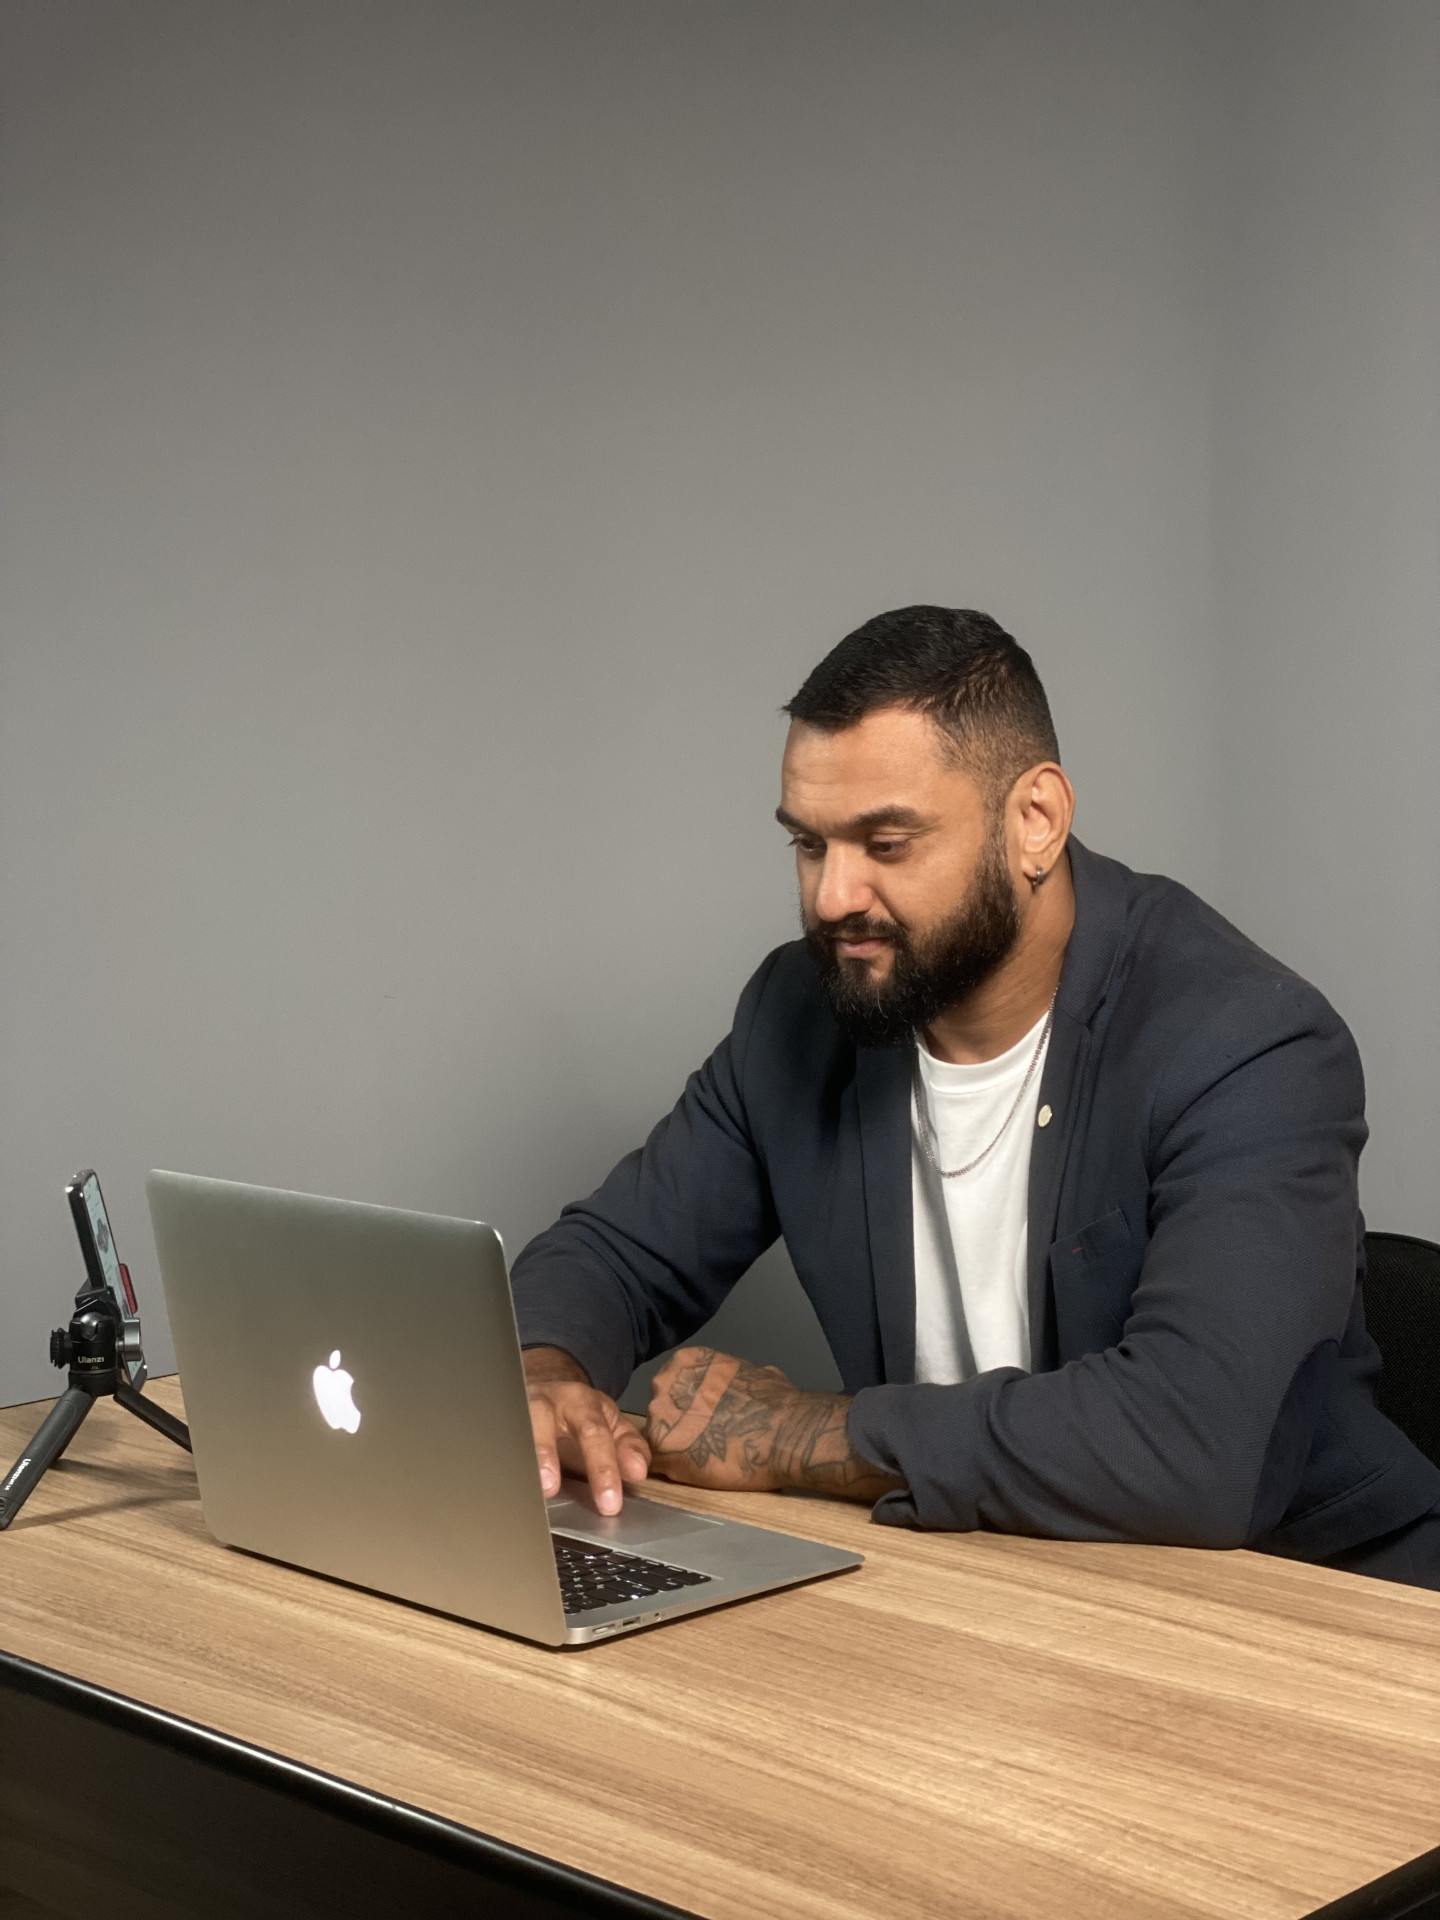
<point x="975" y="681"/>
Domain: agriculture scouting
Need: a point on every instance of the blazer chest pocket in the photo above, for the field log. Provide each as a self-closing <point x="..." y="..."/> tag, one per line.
<point x="1094" y="1270"/>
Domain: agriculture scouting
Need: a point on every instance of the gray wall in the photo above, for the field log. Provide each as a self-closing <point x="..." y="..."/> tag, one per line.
<point x="438" y="437"/>
<point x="1327" y="543"/>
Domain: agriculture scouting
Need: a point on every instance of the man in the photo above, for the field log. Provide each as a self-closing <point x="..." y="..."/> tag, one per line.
<point x="1065" y="1164"/>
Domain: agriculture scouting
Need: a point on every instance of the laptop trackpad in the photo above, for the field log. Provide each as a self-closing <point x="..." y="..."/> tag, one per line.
<point x="639" y="1523"/>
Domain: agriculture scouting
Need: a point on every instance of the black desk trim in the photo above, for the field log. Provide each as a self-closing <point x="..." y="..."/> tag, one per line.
<point x="1411" y="1892"/>
<point x="501" y="1867"/>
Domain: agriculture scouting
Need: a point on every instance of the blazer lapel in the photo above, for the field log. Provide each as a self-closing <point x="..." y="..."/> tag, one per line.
<point x="1049" y="1149"/>
<point x="882" y="1086"/>
<point x="1090" y="961"/>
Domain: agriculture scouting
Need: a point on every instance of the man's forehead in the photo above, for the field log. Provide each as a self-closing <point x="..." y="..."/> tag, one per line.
<point x="890" y="737"/>
<point x="888" y="769"/>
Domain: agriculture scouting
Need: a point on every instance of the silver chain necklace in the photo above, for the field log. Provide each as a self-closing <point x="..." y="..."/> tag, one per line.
<point x="928" y="1138"/>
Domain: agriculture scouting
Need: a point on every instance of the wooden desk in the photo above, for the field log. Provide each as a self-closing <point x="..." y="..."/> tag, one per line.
<point x="970" y="1725"/>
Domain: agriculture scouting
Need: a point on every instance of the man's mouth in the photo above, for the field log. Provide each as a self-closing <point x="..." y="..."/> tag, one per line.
<point x="859" y="941"/>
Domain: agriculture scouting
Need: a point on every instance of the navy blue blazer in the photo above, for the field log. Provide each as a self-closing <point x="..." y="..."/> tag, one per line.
<point x="1200" y="1370"/>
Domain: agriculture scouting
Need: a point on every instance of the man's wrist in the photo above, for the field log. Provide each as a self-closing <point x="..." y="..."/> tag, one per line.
<point x="544" y="1364"/>
<point x="813" y="1452"/>
<point x="717" y="1421"/>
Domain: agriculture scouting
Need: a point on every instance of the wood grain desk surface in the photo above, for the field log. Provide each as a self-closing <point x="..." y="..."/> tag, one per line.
<point x="971" y="1724"/>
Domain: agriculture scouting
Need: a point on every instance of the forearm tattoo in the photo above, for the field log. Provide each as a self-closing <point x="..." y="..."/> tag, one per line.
<point x="754" y="1423"/>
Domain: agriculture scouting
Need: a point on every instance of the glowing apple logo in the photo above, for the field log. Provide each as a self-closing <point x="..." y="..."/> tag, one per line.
<point x="332" y="1391"/>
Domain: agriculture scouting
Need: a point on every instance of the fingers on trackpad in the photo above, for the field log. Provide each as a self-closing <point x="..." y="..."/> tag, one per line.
<point x="638" y="1523"/>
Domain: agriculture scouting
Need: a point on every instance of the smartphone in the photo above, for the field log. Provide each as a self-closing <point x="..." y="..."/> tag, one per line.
<point x="104" y="1269"/>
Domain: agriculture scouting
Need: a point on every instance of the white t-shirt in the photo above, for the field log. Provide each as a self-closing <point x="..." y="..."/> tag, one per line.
<point x="971" y="1304"/>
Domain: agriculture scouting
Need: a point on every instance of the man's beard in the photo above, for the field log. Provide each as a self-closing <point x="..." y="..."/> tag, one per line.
<point x="927" y="975"/>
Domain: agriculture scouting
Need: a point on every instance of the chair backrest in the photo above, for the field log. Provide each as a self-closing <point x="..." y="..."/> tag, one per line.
<point x="1402" y="1311"/>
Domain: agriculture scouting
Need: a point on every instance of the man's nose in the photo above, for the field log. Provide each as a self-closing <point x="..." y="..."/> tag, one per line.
<point x="844" y="888"/>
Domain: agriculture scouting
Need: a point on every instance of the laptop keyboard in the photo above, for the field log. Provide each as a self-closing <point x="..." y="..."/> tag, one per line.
<point x="592" y="1576"/>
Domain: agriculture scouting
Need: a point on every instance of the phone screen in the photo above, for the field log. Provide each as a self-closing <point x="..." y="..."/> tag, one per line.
<point x="102" y="1262"/>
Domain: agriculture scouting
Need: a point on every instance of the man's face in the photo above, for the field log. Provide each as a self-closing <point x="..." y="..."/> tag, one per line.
<point x="905" y="889"/>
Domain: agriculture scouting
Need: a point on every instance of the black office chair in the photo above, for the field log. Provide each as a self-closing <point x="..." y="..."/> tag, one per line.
<point x="1402" y="1311"/>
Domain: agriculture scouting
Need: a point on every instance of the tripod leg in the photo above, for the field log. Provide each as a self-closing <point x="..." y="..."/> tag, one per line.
<point x="55" y="1433"/>
<point x="154" y="1416"/>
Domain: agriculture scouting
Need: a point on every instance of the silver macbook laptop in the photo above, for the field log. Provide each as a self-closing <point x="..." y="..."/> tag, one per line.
<point x="356" y="1398"/>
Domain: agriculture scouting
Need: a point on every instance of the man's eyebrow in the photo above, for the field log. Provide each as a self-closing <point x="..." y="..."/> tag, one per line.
<point x="863" y="822"/>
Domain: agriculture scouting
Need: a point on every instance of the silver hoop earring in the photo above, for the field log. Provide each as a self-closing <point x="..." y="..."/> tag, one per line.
<point x="1037" y="876"/>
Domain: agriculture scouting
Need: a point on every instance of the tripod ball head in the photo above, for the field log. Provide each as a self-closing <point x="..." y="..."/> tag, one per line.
<point x="88" y="1345"/>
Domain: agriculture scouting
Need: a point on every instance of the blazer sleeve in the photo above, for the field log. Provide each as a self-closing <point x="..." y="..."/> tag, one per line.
<point x="649" y="1257"/>
<point x="1248" y="1278"/>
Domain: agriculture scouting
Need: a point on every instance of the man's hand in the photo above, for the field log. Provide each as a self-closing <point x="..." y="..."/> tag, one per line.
<point x="580" y="1430"/>
<point x="720" y="1422"/>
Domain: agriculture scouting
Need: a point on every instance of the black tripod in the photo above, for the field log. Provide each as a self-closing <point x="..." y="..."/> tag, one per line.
<point x="95" y="1347"/>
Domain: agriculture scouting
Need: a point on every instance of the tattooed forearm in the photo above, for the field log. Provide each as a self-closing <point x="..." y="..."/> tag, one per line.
<point x="722" y="1422"/>
<point x="812" y="1449"/>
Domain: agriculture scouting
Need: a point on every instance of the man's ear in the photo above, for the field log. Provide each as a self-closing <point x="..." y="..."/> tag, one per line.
<point x="1042" y="806"/>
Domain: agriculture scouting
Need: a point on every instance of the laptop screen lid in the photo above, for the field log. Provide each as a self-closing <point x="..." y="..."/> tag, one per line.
<point x="355" y="1394"/>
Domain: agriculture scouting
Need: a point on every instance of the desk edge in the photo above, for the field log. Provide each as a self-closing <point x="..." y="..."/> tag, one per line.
<point x="500" y="1862"/>
<point x="1409" y="1892"/>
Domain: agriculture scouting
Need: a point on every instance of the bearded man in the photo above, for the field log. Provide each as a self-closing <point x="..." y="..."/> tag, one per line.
<point x="1066" y="1165"/>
